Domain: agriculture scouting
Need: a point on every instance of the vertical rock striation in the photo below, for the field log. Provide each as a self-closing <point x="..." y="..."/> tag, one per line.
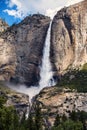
<point x="69" y="37"/>
<point x="26" y="41"/>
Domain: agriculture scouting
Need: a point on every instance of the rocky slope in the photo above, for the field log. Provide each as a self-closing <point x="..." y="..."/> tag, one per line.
<point x="69" y="37"/>
<point x="21" y="48"/>
<point x="60" y="101"/>
<point x="18" y="100"/>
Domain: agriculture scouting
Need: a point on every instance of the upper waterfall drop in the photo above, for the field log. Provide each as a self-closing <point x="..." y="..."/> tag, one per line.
<point x="46" y="74"/>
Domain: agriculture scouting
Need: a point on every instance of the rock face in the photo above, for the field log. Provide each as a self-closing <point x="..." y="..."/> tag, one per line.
<point x="23" y="48"/>
<point x="69" y="37"/>
<point x="18" y="100"/>
<point x="22" y="44"/>
<point x="60" y="101"/>
<point x="7" y="60"/>
<point x="3" y="25"/>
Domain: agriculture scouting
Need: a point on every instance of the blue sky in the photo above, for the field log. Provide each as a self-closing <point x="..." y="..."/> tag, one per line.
<point x="14" y="11"/>
<point x="8" y="18"/>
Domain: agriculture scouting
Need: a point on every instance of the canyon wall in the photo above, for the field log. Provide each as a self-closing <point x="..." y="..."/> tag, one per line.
<point x="54" y="100"/>
<point x="22" y="48"/>
<point x="69" y="37"/>
<point x="22" y="44"/>
<point x="68" y="51"/>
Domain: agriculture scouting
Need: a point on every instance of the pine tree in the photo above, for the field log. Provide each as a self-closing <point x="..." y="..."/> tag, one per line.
<point x="57" y="120"/>
<point x="30" y="122"/>
<point x="23" y="122"/>
<point x="38" y="117"/>
<point x="64" y="118"/>
<point x="15" y="120"/>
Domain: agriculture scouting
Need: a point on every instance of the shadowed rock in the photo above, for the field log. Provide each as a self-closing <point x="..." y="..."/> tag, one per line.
<point x="22" y="47"/>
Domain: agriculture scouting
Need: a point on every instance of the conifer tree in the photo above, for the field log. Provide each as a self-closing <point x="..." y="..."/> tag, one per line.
<point x="38" y="117"/>
<point x="30" y="122"/>
<point x="57" y="120"/>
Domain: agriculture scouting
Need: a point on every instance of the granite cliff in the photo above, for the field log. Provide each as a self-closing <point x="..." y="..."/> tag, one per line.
<point x="3" y="25"/>
<point x="69" y="60"/>
<point x="14" y="99"/>
<point x="54" y="100"/>
<point x="22" y="44"/>
<point x="21" y="49"/>
<point x="69" y="37"/>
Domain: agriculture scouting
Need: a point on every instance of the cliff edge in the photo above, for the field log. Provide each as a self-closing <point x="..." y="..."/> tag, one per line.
<point x="69" y="37"/>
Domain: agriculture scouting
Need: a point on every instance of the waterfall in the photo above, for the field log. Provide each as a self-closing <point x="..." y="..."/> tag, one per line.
<point x="46" y="74"/>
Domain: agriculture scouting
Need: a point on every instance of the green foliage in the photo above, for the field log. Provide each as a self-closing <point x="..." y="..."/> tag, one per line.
<point x="8" y="118"/>
<point x="79" y="116"/>
<point x="31" y="123"/>
<point x="57" y="120"/>
<point x="72" y="123"/>
<point x="38" y="118"/>
<point x="64" y="118"/>
<point x="69" y="125"/>
<point x="2" y="101"/>
<point x="75" y="79"/>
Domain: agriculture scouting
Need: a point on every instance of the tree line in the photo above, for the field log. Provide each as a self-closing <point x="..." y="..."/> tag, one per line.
<point x="9" y="120"/>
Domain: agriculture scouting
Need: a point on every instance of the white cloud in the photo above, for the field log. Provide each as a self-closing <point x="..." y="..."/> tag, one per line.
<point x="16" y="13"/>
<point x="24" y="7"/>
<point x="21" y="8"/>
<point x="11" y="3"/>
<point x="71" y="2"/>
<point x="52" y="12"/>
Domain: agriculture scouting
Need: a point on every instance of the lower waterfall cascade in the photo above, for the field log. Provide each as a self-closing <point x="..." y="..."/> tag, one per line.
<point x="46" y="74"/>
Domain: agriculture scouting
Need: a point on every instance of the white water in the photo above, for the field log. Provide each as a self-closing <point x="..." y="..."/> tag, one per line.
<point x="45" y="73"/>
<point x="32" y="91"/>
